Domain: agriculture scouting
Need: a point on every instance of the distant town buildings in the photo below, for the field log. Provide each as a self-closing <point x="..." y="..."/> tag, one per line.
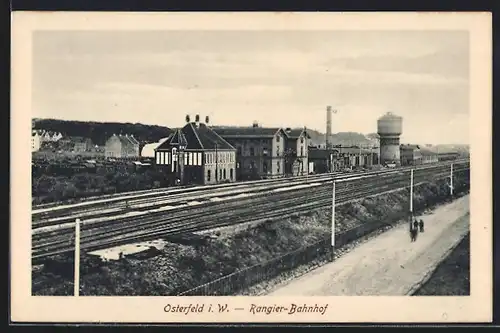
<point x="38" y="137"/>
<point x="121" y="146"/>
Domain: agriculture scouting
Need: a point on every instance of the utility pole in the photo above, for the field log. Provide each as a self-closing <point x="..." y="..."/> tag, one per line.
<point x="77" y="258"/>
<point x="333" y="214"/>
<point x="411" y="196"/>
<point x="451" y="180"/>
<point x="216" y="164"/>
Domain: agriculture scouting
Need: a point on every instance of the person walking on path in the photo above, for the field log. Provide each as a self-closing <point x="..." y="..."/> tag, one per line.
<point x="421" y="225"/>
<point x="413" y="234"/>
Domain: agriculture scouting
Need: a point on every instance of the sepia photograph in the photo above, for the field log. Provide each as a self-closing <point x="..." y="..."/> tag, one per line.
<point x="258" y="162"/>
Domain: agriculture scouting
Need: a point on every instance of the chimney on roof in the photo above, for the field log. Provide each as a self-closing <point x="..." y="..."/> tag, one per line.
<point x="207" y="120"/>
<point x="188" y="119"/>
<point x="197" y="120"/>
<point x="255" y="124"/>
<point x="288" y="130"/>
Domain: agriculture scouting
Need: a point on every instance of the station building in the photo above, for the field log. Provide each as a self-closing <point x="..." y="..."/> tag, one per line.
<point x="196" y="154"/>
<point x="260" y="151"/>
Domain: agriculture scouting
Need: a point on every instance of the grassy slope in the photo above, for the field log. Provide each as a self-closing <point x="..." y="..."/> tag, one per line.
<point x="452" y="276"/>
<point x="179" y="267"/>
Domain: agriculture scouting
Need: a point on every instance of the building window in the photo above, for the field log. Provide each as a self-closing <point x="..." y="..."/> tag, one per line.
<point x="277" y="150"/>
<point x="220" y="174"/>
<point x="302" y="139"/>
<point x="224" y="174"/>
<point x="264" y="167"/>
<point x="278" y="166"/>
<point x="208" y="175"/>
<point x="238" y="151"/>
<point x="301" y="151"/>
<point x="278" y="138"/>
<point x="251" y="151"/>
<point x="231" y="173"/>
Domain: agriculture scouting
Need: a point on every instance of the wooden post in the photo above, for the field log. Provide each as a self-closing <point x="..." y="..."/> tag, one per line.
<point x="77" y="258"/>
<point x="333" y="215"/>
<point x="451" y="179"/>
<point x="411" y="192"/>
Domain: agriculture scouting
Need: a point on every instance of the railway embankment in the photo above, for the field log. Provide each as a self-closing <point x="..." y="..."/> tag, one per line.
<point x="241" y="256"/>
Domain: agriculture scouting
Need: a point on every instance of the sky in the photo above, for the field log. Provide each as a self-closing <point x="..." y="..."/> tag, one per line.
<point x="277" y="78"/>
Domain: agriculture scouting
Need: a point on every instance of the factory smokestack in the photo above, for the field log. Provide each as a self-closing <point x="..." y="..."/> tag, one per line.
<point x="328" y="127"/>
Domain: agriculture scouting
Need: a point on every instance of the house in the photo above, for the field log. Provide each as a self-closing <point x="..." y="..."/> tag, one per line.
<point x="448" y="156"/>
<point x="428" y="156"/>
<point x="410" y="154"/>
<point x="355" y="157"/>
<point x="260" y="150"/>
<point x="48" y="136"/>
<point x="121" y="146"/>
<point x="321" y="160"/>
<point x="296" y="154"/>
<point x="196" y="154"/>
<point x="36" y="141"/>
<point x="81" y="144"/>
<point x="148" y="151"/>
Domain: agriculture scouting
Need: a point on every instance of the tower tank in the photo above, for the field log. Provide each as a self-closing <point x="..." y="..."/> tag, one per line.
<point x="389" y="128"/>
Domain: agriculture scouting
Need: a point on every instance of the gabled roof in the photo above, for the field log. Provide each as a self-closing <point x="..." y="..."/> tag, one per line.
<point x="196" y="138"/>
<point x="295" y="133"/>
<point x="126" y="139"/>
<point x="247" y="132"/>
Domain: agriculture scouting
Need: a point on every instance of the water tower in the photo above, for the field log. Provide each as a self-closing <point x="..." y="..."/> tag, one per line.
<point x="389" y="128"/>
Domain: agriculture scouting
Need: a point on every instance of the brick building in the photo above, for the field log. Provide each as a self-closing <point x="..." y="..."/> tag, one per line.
<point x="410" y="155"/>
<point x="196" y="154"/>
<point x="121" y="146"/>
<point x="296" y="152"/>
<point x="260" y="150"/>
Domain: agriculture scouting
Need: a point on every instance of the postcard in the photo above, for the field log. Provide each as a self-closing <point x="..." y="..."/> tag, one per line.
<point x="251" y="167"/>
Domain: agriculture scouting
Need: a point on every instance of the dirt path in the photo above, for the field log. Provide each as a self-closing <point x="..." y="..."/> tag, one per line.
<point x="389" y="264"/>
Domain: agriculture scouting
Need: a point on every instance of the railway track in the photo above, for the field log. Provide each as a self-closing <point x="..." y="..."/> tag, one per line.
<point x="95" y="235"/>
<point x="178" y="197"/>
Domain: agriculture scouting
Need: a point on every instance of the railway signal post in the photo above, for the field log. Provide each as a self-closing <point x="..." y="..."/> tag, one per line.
<point x="333" y="216"/>
<point x="77" y="258"/>
<point x="451" y="179"/>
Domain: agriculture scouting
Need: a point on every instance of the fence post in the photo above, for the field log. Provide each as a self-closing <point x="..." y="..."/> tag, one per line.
<point x="77" y="259"/>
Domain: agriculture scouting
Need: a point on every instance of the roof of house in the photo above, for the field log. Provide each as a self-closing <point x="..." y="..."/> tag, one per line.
<point x="79" y="139"/>
<point x="126" y="139"/>
<point x="355" y="150"/>
<point x="196" y="138"/>
<point x="295" y="133"/>
<point x="247" y="132"/>
<point x="427" y="152"/>
<point x="319" y="153"/>
<point x="410" y="147"/>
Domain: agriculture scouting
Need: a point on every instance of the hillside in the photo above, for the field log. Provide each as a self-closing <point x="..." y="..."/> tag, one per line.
<point x="341" y="138"/>
<point x="99" y="132"/>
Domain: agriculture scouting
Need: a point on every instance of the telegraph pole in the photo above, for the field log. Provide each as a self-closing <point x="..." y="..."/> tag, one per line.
<point x="411" y="196"/>
<point x="333" y="214"/>
<point x="451" y="180"/>
<point x="77" y="258"/>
